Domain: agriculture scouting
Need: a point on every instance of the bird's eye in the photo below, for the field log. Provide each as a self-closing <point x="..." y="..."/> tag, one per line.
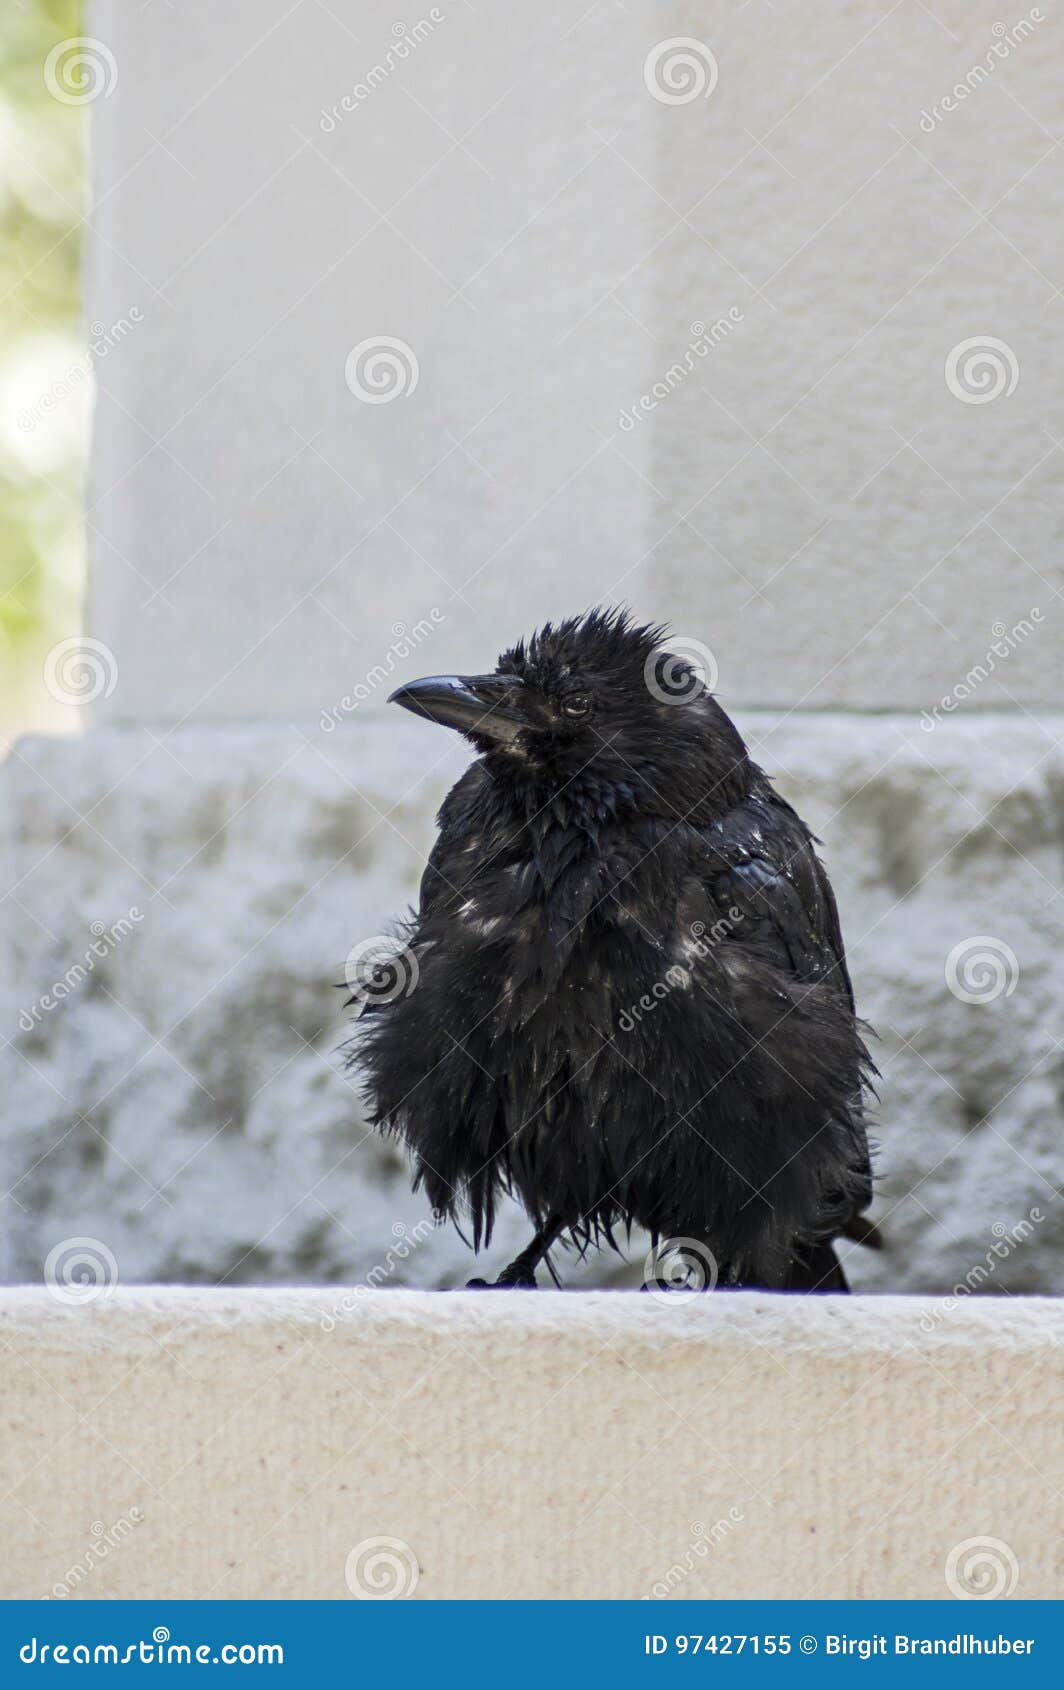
<point x="576" y="706"/>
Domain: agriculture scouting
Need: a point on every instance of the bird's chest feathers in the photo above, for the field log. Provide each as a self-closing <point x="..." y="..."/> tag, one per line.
<point x="549" y="921"/>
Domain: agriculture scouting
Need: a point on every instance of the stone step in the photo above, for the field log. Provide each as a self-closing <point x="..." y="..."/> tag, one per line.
<point x="190" y="1444"/>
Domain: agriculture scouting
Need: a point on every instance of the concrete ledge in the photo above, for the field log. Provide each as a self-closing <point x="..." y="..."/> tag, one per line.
<point x="187" y="1443"/>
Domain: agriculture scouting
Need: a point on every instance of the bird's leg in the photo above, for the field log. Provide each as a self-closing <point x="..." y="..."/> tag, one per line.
<point x="521" y="1273"/>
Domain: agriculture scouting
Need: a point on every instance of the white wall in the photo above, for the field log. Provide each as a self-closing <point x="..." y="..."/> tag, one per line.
<point x="510" y="201"/>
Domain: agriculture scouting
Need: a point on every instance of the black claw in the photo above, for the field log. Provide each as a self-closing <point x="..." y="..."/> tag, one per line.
<point x="505" y="1282"/>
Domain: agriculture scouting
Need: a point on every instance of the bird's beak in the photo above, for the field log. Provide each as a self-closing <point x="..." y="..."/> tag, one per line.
<point x="485" y="706"/>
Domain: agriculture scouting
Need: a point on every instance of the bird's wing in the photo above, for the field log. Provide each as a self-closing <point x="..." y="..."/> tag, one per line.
<point x="772" y="894"/>
<point x="774" y="904"/>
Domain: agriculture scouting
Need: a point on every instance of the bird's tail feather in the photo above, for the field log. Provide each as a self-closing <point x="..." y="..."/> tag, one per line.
<point x="860" y="1230"/>
<point x="817" y="1268"/>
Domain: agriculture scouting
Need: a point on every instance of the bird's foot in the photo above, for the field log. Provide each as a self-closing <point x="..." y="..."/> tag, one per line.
<point x="506" y="1281"/>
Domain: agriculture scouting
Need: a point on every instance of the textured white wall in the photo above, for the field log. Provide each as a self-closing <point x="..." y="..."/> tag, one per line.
<point x="186" y="1444"/>
<point x="183" y="1103"/>
<point x="510" y="200"/>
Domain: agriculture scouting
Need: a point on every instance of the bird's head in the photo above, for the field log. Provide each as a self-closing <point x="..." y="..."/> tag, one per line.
<point x="597" y="691"/>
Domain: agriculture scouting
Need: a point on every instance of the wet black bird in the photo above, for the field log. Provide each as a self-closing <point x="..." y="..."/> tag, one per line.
<point x="624" y="998"/>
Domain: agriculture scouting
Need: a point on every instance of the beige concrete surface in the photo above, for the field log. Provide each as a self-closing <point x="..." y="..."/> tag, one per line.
<point x="187" y="1443"/>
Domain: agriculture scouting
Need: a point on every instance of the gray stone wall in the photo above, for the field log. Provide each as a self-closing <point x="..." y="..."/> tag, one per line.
<point x="184" y="1101"/>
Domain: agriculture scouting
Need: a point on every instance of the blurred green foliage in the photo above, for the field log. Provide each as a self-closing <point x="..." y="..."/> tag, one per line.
<point x="42" y="201"/>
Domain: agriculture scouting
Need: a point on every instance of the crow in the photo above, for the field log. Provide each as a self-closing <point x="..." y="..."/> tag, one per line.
<point x="624" y="997"/>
